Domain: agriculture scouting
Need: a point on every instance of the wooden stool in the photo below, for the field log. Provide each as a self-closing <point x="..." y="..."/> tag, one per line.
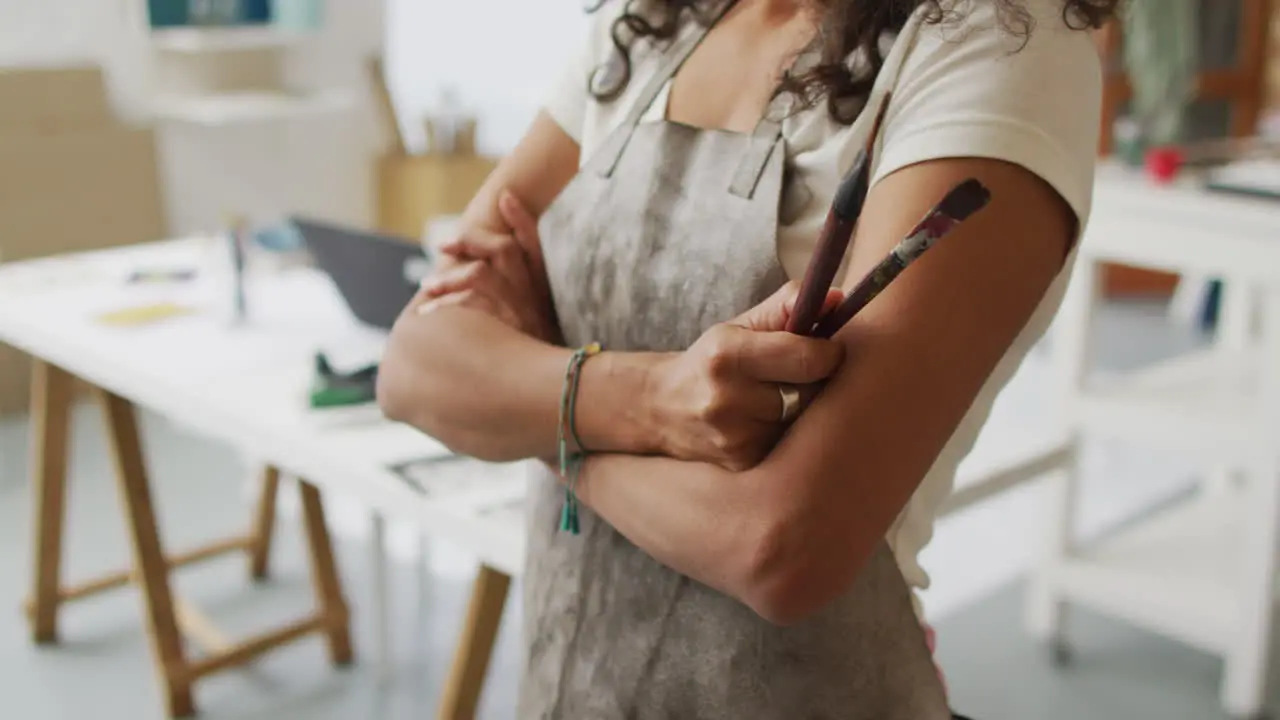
<point x="168" y="617"/>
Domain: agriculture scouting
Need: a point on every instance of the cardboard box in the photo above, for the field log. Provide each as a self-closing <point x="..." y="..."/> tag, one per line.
<point x="71" y="179"/>
<point x="45" y="100"/>
<point x="72" y="192"/>
<point x="75" y="191"/>
<point x="415" y="189"/>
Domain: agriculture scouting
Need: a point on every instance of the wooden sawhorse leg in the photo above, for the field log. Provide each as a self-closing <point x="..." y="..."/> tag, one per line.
<point x="167" y="617"/>
<point x="51" y="430"/>
<point x="333" y="615"/>
<point x="148" y="558"/>
<point x="264" y="523"/>
<point x="51" y="403"/>
<point x="475" y="647"/>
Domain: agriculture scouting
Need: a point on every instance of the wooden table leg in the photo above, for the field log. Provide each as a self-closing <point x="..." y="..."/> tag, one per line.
<point x="51" y="406"/>
<point x="264" y="523"/>
<point x="149" y="559"/>
<point x="50" y="426"/>
<point x="332" y="607"/>
<point x="475" y="647"/>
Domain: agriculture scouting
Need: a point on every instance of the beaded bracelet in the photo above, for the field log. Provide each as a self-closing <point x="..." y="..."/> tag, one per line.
<point x="567" y="429"/>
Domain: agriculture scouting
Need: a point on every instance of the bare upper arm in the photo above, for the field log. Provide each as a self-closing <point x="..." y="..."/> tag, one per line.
<point x="539" y="167"/>
<point x="917" y="357"/>
<point x="919" y="354"/>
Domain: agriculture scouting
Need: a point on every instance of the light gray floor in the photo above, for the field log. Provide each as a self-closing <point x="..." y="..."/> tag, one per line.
<point x="102" y="669"/>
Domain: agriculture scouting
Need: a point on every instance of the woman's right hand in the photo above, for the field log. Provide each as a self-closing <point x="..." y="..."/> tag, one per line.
<point x="721" y="401"/>
<point x="500" y="273"/>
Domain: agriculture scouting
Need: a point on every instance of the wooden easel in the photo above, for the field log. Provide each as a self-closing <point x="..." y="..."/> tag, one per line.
<point x="1241" y="87"/>
<point x="168" y="618"/>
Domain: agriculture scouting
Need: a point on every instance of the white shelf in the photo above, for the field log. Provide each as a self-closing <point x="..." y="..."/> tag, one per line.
<point x="225" y="39"/>
<point x="1203" y="403"/>
<point x="1176" y="574"/>
<point x="248" y="108"/>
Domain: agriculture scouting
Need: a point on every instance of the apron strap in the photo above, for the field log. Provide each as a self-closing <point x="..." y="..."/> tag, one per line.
<point x="670" y="66"/>
<point x="763" y="141"/>
<point x="769" y="131"/>
<point x="766" y="135"/>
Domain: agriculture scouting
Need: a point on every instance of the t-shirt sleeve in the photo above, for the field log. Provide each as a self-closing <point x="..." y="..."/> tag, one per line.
<point x="977" y="90"/>
<point x="568" y="97"/>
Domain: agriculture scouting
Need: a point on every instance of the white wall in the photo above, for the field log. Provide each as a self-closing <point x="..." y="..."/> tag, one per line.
<point x="52" y="32"/>
<point x="501" y="56"/>
<point x="319" y="166"/>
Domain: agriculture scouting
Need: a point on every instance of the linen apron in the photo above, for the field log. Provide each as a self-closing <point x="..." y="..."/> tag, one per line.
<point x="666" y="231"/>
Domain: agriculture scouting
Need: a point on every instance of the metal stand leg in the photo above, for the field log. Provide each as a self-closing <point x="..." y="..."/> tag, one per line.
<point x="381" y="603"/>
<point x="424" y="568"/>
<point x="1046" y="611"/>
<point x="1248" y="654"/>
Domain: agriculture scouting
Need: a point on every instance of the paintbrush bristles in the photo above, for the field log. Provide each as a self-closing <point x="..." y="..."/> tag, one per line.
<point x="851" y="194"/>
<point x="964" y="200"/>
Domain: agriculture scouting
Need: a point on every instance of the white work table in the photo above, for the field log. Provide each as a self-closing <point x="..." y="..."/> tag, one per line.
<point x="243" y="384"/>
<point x="1201" y="571"/>
<point x="1161" y="226"/>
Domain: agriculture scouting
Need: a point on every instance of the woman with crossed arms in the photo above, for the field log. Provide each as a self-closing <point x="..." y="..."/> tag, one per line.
<point x="735" y="558"/>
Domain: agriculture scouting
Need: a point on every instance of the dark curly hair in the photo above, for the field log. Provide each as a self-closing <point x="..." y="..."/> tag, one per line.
<point x="846" y="27"/>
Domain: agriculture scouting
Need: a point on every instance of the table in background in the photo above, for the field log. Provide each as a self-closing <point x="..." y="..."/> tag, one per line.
<point x="245" y="385"/>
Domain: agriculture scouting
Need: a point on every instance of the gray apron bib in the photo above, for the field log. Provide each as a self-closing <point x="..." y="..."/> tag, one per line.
<point x="666" y="231"/>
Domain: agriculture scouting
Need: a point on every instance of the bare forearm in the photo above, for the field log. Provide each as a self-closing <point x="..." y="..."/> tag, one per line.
<point x="489" y="391"/>
<point x="699" y="519"/>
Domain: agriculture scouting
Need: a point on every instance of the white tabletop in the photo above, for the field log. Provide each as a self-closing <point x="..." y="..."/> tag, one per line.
<point x="246" y="384"/>
<point x="1182" y="227"/>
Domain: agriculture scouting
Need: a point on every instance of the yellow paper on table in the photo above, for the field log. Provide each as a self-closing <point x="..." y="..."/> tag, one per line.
<point x="144" y="314"/>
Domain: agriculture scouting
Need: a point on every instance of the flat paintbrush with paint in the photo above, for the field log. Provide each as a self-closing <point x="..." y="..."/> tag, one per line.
<point x="957" y="206"/>
<point x="846" y="207"/>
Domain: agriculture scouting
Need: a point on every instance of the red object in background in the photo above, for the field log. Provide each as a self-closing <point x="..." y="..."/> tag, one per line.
<point x="1163" y="163"/>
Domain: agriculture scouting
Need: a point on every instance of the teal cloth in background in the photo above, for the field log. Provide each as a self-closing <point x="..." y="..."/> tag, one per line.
<point x="298" y="15"/>
<point x="167" y="13"/>
<point x="257" y="11"/>
<point x="1161" y="58"/>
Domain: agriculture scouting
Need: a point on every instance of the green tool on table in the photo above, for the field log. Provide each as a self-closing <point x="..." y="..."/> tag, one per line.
<point x="330" y="388"/>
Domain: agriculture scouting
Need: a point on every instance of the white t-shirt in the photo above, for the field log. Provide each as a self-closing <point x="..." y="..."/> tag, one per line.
<point x="962" y="88"/>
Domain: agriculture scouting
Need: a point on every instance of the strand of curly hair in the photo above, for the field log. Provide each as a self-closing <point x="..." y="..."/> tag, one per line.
<point x="846" y="27"/>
